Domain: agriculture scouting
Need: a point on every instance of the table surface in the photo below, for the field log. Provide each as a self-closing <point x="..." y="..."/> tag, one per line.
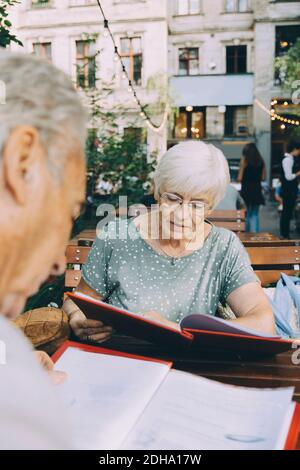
<point x="224" y="366"/>
<point x="261" y="236"/>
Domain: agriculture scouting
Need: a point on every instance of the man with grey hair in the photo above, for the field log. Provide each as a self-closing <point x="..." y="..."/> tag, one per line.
<point x="42" y="186"/>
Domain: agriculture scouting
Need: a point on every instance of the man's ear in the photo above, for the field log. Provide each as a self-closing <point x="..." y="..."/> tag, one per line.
<point x="19" y="156"/>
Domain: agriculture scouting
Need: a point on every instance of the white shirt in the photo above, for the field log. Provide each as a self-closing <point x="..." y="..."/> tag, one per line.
<point x="31" y="416"/>
<point x="287" y="165"/>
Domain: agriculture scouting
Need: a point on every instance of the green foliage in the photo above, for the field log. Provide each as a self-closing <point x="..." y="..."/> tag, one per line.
<point x="121" y="161"/>
<point x="5" y="36"/>
<point x="288" y="67"/>
<point x="118" y="159"/>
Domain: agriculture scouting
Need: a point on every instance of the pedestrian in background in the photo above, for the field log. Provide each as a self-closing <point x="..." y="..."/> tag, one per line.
<point x="251" y="173"/>
<point x="289" y="187"/>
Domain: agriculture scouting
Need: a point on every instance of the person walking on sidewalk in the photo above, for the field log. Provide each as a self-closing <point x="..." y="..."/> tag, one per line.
<point x="289" y="187"/>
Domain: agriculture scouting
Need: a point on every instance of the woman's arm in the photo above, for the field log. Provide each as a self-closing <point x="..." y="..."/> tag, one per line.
<point x="86" y="329"/>
<point x="264" y="173"/>
<point x="251" y="306"/>
<point x="241" y="171"/>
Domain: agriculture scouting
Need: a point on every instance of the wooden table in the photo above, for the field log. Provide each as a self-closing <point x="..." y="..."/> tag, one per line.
<point x="224" y="366"/>
<point x="259" y="237"/>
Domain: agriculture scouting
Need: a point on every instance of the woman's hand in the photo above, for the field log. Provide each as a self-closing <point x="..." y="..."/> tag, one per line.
<point x="84" y="329"/>
<point x="157" y="317"/>
<point x="46" y="362"/>
<point x="89" y="330"/>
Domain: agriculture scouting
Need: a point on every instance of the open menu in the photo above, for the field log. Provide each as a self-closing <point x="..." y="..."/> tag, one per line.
<point x="121" y="401"/>
<point x="196" y="330"/>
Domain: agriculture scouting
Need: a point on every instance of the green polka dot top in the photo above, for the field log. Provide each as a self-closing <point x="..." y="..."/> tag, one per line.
<point x="130" y="274"/>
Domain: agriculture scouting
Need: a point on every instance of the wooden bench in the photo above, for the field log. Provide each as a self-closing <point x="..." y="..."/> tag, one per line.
<point x="232" y="220"/>
<point x="267" y="261"/>
<point x="271" y="243"/>
<point x="257" y="238"/>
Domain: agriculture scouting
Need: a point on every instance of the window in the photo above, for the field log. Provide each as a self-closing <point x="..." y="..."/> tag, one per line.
<point x="85" y="65"/>
<point x="131" y="52"/>
<point x="236" y="59"/>
<point x="188" y="7"/>
<point x="189" y="61"/>
<point x="43" y="50"/>
<point x="135" y="133"/>
<point x="190" y="123"/>
<point x="237" y="6"/>
<point x="286" y="36"/>
<point x="40" y="3"/>
<point x="237" y="121"/>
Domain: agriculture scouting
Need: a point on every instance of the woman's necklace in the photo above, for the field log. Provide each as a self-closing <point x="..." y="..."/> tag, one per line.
<point x="178" y="255"/>
<point x="159" y="246"/>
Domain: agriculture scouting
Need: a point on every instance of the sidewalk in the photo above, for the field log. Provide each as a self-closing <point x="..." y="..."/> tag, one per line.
<point x="269" y="220"/>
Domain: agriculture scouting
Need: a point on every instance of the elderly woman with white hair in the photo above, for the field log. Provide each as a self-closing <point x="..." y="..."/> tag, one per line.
<point x="172" y="262"/>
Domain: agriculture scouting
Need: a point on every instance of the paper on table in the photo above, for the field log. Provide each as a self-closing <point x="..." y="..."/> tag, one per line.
<point x="105" y="395"/>
<point x="191" y="412"/>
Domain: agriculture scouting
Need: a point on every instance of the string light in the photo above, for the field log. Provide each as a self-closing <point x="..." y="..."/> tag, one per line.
<point x="275" y="116"/>
<point x="124" y="76"/>
<point x="106" y="32"/>
<point x="131" y="89"/>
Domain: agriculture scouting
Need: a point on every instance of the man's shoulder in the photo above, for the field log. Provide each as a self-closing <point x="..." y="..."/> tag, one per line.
<point x="17" y="357"/>
<point x="12" y="341"/>
<point x="31" y="415"/>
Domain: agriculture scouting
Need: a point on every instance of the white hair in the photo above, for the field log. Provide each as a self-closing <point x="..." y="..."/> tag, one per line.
<point x="40" y="95"/>
<point x="191" y="168"/>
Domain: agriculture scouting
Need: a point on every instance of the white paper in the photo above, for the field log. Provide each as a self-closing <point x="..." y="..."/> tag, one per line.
<point x="284" y="431"/>
<point x="190" y="412"/>
<point x="105" y="395"/>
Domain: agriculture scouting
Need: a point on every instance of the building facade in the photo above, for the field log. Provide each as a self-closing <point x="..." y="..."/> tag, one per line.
<point x="216" y="57"/>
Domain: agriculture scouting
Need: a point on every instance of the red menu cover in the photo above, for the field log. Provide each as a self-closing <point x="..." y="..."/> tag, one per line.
<point x="131" y="324"/>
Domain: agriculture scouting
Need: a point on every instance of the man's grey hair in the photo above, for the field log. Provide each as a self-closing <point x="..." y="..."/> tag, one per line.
<point x="38" y="94"/>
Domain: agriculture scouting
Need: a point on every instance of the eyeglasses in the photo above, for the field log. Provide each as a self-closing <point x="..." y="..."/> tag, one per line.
<point x="174" y="200"/>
